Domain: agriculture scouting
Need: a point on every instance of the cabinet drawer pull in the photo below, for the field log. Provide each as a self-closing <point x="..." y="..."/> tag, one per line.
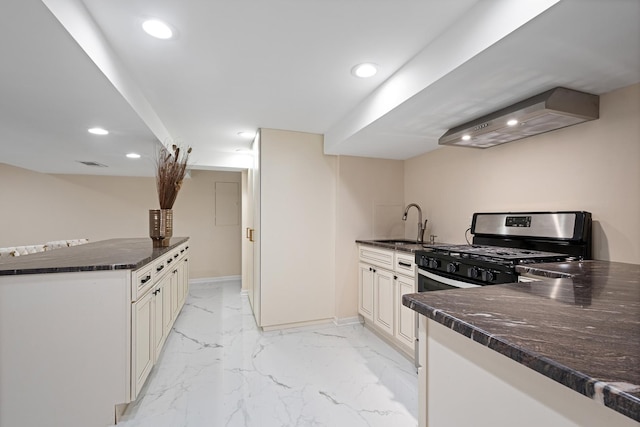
<point x="181" y="250"/>
<point x="169" y="261"/>
<point x="175" y="271"/>
<point x="160" y="268"/>
<point x="404" y="264"/>
<point x="176" y="256"/>
<point x="146" y="279"/>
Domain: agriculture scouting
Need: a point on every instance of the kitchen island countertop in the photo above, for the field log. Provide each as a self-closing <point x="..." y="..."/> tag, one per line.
<point x="112" y="254"/>
<point x="579" y="326"/>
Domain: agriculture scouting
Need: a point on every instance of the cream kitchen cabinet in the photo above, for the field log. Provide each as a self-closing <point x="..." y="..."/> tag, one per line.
<point x="383" y="300"/>
<point x="143" y="333"/>
<point x="384" y="276"/>
<point x="376" y="296"/>
<point x="105" y="325"/>
<point x="376" y="288"/>
<point x="365" y="290"/>
<point x="405" y="320"/>
<point x="153" y="314"/>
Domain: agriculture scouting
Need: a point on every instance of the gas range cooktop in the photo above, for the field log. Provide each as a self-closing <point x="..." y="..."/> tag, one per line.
<point x="502" y="240"/>
<point x="496" y="253"/>
<point x="480" y="264"/>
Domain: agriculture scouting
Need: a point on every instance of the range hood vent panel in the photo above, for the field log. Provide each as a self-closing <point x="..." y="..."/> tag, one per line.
<point x="548" y="111"/>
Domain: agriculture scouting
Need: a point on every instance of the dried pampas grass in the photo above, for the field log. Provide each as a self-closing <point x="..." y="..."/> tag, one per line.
<point x="170" y="171"/>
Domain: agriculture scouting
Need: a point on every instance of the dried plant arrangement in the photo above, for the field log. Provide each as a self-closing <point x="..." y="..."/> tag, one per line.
<point x="170" y="171"/>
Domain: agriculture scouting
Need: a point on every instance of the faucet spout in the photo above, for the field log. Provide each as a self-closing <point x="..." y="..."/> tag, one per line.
<point x="421" y="228"/>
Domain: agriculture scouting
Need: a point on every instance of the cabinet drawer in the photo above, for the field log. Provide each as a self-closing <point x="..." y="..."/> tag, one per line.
<point x="380" y="257"/>
<point x="171" y="259"/>
<point x="142" y="280"/>
<point x="183" y="250"/>
<point x="405" y="264"/>
<point x="160" y="267"/>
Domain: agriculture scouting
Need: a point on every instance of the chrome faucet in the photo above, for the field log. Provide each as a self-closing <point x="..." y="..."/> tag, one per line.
<point x="421" y="227"/>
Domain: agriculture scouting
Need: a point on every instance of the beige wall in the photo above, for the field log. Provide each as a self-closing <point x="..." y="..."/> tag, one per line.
<point x="39" y="207"/>
<point x="593" y="166"/>
<point x="369" y="204"/>
<point x="297" y="228"/>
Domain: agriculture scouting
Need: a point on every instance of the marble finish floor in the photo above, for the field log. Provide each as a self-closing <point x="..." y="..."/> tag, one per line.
<point x="218" y="369"/>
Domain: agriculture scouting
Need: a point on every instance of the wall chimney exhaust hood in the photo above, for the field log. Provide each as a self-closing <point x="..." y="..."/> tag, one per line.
<point x="550" y="110"/>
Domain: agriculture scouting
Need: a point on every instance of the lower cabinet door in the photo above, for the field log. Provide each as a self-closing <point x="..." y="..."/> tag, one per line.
<point x="175" y="294"/>
<point x="181" y="282"/>
<point x="384" y="300"/>
<point x="143" y="341"/>
<point x="185" y="278"/>
<point x="365" y="291"/>
<point x="167" y="316"/>
<point x="405" y="317"/>
<point x="158" y="323"/>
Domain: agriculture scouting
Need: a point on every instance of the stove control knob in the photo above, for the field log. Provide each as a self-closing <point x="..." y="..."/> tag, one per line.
<point x="489" y="276"/>
<point x="452" y="267"/>
<point x="434" y="263"/>
<point x="474" y="272"/>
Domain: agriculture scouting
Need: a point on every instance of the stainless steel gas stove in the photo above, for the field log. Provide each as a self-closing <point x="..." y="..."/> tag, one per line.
<point x="500" y="242"/>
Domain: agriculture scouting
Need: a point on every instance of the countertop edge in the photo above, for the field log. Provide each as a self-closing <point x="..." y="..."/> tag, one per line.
<point x="409" y="247"/>
<point x="106" y="266"/>
<point x="597" y="390"/>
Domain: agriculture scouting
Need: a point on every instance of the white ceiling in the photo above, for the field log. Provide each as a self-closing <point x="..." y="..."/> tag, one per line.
<point x="68" y="65"/>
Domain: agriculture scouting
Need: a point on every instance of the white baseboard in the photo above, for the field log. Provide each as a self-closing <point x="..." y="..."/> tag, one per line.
<point x="299" y="326"/>
<point x="346" y="320"/>
<point x="214" y="279"/>
<point x="244" y="292"/>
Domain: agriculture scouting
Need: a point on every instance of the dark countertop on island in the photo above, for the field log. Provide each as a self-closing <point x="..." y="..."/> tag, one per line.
<point x="112" y="254"/>
<point x="579" y="326"/>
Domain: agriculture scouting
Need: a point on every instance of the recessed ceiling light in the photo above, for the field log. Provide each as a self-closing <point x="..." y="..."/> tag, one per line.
<point x="91" y="163"/>
<point x="133" y="155"/>
<point x="512" y="122"/>
<point x="365" y="70"/>
<point x="99" y="131"/>
<point x="157" y="29"/>
<point x="246" y="134"/>
<point x="466" y="137"/>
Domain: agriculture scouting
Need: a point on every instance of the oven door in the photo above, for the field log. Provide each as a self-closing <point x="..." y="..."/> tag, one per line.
<point x="428" y="281"/>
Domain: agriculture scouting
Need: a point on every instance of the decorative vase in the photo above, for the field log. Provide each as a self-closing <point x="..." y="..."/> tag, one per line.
<point x="160" y="227"/>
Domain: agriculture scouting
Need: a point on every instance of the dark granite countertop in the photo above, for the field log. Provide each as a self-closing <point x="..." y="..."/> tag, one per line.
<point x="579" y="326"/>
<point x="403" y="245"/>
<point x="112" y="254"/>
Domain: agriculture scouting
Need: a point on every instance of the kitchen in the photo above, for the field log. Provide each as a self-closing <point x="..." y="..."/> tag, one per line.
<point x="592" y="167"/>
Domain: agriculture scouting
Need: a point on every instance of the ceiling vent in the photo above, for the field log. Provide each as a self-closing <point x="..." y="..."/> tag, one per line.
<point x="548" y="111"/>
<point x="93" y="164"/>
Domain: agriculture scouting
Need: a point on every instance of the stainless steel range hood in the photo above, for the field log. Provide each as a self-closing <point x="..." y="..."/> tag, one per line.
<point x="551" y="110"/>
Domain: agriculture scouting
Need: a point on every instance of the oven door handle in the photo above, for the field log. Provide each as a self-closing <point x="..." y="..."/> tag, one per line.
<point x="446" y="280"/>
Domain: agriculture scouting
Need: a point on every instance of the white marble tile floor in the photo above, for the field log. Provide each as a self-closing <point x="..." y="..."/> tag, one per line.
<point x="218" y="369"/>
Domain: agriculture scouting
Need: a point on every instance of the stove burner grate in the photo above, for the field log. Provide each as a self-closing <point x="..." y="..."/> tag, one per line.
<point x="497" y="253"/>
